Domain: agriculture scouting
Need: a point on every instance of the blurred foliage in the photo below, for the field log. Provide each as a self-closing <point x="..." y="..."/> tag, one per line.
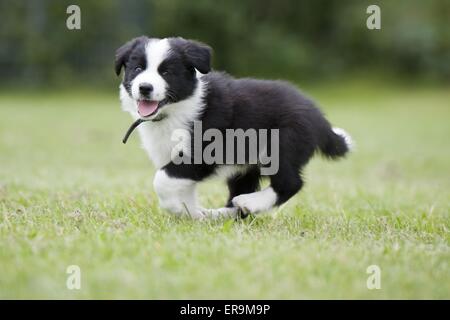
<point x="288" y="39"/>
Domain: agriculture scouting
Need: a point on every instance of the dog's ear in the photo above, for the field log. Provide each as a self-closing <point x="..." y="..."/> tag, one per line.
<point x="198" y="55"/>
<point x="123" y="53"/>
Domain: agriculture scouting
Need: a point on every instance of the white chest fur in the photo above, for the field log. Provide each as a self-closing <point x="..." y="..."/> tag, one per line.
<point x="157" y="137"/>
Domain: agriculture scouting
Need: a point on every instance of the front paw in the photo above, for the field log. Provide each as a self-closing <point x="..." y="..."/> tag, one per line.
<point x="220" y="213"/>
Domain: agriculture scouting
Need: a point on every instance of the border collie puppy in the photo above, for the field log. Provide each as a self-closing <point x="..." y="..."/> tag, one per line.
<point x="169" y="84"/>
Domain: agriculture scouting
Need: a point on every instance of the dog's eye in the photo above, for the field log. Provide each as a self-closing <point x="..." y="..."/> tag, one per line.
<point x="138" y="69"/>
<point x="165" y="73"/>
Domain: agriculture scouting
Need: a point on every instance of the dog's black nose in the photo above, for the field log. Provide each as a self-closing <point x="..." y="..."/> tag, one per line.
<point x="145" y="88"/>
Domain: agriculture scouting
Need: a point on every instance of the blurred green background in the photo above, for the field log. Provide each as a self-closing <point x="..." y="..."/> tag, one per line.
<point x="289" y="39"/>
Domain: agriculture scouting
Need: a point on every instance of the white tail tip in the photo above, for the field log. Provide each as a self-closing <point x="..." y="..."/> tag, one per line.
<point x="347" y="138"/>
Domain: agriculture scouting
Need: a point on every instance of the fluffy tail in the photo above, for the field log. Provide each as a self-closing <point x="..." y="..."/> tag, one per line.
<point x="337" y="143"/>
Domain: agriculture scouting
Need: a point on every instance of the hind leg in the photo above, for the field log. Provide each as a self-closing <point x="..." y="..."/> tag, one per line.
<point x="286" y="183"/>
<point x="295" y="150"/>
<point x="243" y="183"/>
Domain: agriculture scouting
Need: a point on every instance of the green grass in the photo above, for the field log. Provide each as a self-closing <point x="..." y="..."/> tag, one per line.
<point x="72" y="193"/>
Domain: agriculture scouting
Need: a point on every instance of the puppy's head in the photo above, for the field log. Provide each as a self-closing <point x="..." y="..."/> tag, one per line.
<point x="159" y="72"/>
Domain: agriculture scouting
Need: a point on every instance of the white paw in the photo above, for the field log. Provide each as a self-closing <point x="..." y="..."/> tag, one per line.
<point x="220" y="213"/>
<point x="195" y="213"/>
<point x="255" y="202"/>
<point x="246" y="203"/>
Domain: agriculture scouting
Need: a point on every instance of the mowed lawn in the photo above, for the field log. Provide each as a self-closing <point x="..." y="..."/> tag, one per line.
<point x="72" y="194"/>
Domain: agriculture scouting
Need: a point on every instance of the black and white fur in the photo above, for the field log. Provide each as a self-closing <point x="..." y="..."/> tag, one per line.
<point x="179" y="73"/>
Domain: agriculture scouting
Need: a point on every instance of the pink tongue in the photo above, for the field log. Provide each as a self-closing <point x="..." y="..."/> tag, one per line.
<point x="146" y="107"/>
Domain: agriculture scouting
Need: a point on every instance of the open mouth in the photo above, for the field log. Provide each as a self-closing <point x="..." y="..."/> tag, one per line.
<point x="146" y="108"/>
